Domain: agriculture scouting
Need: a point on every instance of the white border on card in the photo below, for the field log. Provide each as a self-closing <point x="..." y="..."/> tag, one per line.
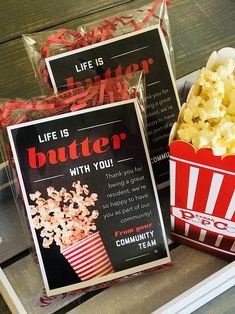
<point x="115" y="275"/>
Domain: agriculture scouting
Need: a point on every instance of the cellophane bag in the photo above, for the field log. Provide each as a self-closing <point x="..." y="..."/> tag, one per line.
<point x="67" y="211"/>
<point x="42" y="45"/>
<point x="136" y="40"/>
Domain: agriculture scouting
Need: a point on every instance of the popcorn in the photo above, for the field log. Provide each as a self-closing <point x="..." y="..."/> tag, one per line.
<point x="208" y="118"/>
<point x="65" y="216"/>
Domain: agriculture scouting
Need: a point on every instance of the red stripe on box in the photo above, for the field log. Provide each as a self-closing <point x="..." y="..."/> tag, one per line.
<point x="224" y="197"/>
<point x="211" y="239"/>
<point x="89" y="259"/>
<point x="222" y="242"/>
<point x="202" y="190"/>
<point x="91" y="249"/>
<point x="91" y="262"/>
<point x="85" y="248"/>
<point x="197" y="233"/>
<point x="179" y="226"/>
<point x="90" y="244"/>
<point x="181" y="184"/>
<point x="104" y="271"/>
<point x="194" y="232"/>
<point x="94" y="267"/>
<point x="226" y="244"/>
<point x="92" y="272"/>
<point x="87" y="256"/>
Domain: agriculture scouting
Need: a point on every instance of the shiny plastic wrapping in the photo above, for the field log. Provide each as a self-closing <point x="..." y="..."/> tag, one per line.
<point x="49" y="43"/>
<point x="55" y="225"/>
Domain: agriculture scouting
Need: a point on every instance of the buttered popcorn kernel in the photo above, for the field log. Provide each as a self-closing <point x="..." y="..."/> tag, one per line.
<point x="208" y="119"/>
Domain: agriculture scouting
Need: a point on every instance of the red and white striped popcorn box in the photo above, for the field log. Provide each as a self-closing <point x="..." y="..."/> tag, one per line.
<point x="202" y="199"/>
<point x="89" y="258"/>
<point x="202" y="191"/>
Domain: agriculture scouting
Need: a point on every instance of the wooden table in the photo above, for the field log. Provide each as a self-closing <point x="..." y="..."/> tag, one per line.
<point x="198" y="28"/>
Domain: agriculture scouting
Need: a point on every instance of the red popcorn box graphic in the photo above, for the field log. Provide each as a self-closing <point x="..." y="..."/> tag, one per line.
<point x="89" y="258"/>
<point x="202" y="199"/>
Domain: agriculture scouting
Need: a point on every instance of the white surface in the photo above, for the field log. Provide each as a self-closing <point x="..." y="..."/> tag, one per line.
<point x="202" y="293"/>
<point x="10" y="296"/>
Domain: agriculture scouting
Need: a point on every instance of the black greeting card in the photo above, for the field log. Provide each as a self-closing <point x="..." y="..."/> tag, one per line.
<point x="90" y="195"/>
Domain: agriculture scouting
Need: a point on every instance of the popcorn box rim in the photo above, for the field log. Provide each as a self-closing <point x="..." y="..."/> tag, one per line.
<point x="202" y="156"/>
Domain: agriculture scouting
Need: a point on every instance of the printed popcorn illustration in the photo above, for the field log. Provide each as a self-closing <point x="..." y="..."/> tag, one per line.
<point x="66" y="218"/>
<point x="202" y="148"/>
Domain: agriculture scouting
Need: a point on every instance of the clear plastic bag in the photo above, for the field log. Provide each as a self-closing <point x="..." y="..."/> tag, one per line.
<point x="49" y="43"/>
<point x="137" y="40"/>
<point x="65" y="228"/>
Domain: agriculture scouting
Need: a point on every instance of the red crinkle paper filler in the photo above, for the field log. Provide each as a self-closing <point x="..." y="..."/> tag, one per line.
<point x="103" y="92"/>
<point x="74" y="39"/>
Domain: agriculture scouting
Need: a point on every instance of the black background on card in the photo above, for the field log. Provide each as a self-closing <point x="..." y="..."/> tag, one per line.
<point x="64" y="67"/>
<point x="59" y="273"/>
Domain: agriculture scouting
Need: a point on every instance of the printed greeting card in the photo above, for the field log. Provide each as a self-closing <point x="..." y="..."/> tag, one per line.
<point x="90" y="195"/>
